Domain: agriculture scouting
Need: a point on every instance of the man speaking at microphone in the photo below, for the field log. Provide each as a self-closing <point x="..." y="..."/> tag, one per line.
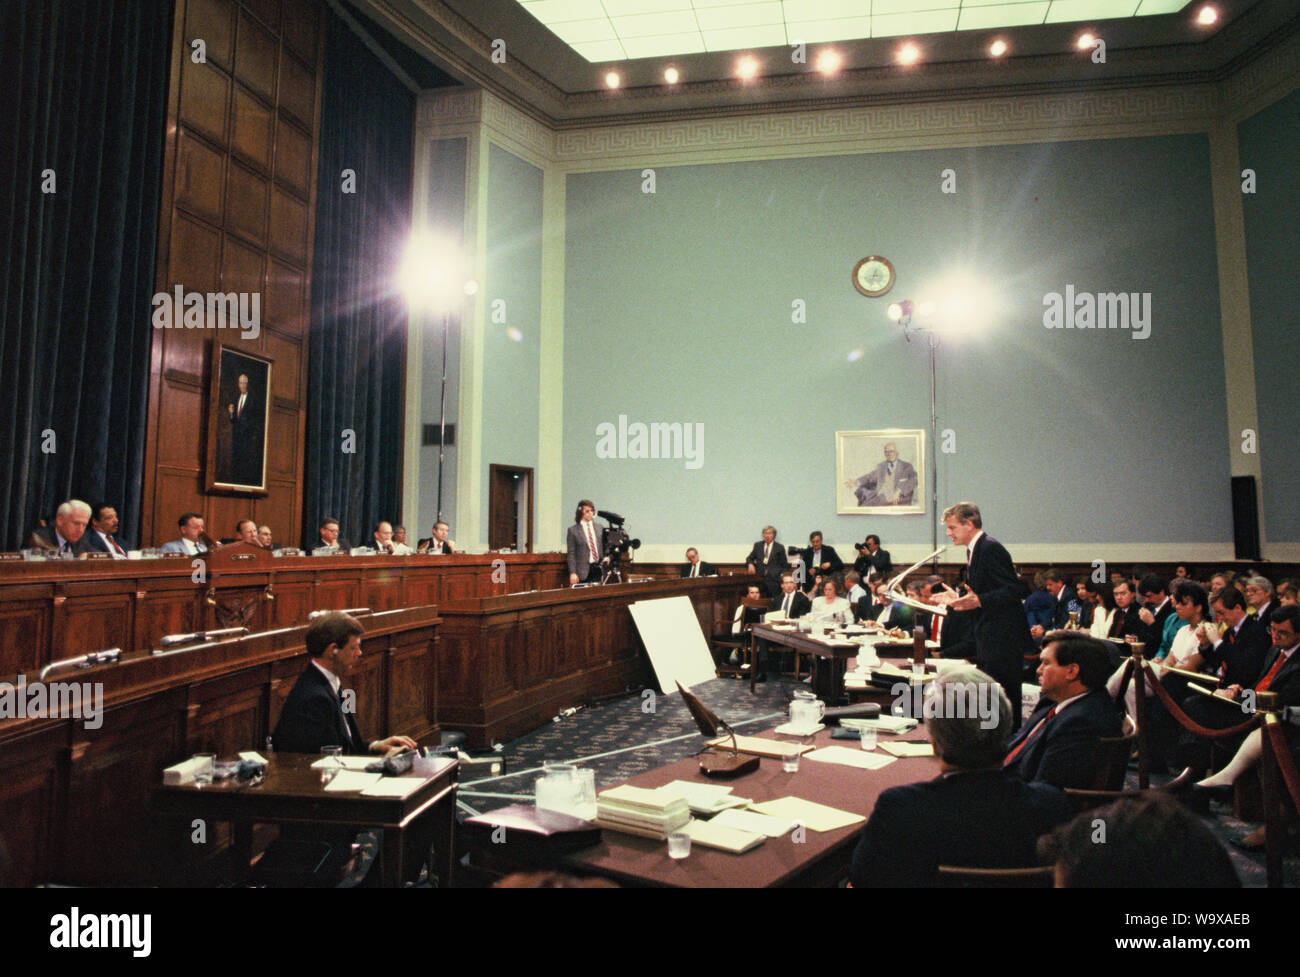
<point x="586" y="543"/>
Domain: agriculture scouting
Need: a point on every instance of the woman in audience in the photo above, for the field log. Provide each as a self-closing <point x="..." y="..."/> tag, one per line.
<point x="830" y="605"/>
<point x="1102" y="598"/>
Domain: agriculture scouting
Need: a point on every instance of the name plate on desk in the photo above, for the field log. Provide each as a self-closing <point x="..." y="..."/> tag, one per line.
<point x="97" y="555"/>
<point x="175" y="556"/>
<point x="11" y="556"/>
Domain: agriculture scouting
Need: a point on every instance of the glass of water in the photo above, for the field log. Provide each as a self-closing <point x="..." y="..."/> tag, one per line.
<point x="868" y="738"/>
<point x="204" y="772"/>
<point x="679" y="844"/>
<point x="331" y="769"/>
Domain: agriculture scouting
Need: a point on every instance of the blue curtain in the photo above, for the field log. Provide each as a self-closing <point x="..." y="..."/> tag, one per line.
<point x="357" y="341"/>
<point x="83" y="96"/>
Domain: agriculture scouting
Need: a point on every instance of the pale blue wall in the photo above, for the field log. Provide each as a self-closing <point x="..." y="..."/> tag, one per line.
<point x="514" y="277"/>
<point x="1270" y="145"/>
<point x="677" y="308"/>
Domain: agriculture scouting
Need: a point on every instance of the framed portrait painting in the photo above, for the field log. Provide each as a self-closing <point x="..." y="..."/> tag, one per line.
<point x="880" y="473"/>
<point x="239" y="413"/>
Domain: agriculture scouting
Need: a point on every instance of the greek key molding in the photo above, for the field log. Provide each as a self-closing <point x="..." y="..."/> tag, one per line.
<point x="1262" y="81"/>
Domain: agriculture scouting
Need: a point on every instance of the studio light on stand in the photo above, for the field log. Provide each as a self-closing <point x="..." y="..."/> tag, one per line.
<point x="434" y="281"/>
<point x="904" y="313"/>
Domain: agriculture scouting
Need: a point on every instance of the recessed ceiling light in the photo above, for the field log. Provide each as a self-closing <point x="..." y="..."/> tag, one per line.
<point x="1085" y="41"/>
<point x="909" y="53"/>
<point x="671" y="75"/>
<point x="829" y="61"/>
<point x="612" y="80"/>
<point x="998" y="48"/>
<point x="747" y="67"/>
<point x="1207" y="15"/>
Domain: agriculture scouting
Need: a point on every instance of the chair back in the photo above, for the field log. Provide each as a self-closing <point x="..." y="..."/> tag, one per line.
<point x="960" y="877"/>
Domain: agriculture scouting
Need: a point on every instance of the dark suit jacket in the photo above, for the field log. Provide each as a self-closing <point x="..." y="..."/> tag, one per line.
<point x="1153" y="635"/>
<point x="1064" y="753"/>
<point x="317" y="543"/>
<point x="799" y="606"/>
<point x="1242" y="658"/>
<point x="1001" y="630"/>
<point x="312" y="717"/>
<point x="97" y="544"/>
<point x="777" y="565"/>
<point x="578" y="550"/>
<point x="1061" y="609"/>
<point x="958" y="637"/>
<point x="706" y="569"/>
<point x="1129" y="622"/>
<point x="877" y="562"/>
<point x="1286" y="683"/>
<point x="45" y="539"/>
<point x="972" y="818"/>
<point x="428" y="542"/>
<point x="828" y="555"/>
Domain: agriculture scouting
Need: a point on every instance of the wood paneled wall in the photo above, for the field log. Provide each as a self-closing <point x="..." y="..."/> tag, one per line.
<point x="237" y="215"/>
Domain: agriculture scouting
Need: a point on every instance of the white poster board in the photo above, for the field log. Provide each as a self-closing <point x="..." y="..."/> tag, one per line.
<point x="672" y="637"/>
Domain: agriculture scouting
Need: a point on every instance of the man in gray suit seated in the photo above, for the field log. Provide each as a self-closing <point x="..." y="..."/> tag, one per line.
<point x="193" y="539"/>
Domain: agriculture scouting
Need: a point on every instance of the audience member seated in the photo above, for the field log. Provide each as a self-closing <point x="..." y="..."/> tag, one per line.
<point x="821" y="561"/>
<point x="975" y="814"/>
<point x="1288" y="592"/>
<point x="1127" y="619"/>
<point x="745" y="618"/>
<point x="103" y="526"/>
<point x="1236" y="655"/>
<point x="1280" y="674"/>
<point x="1259" y="596"/>
<point x="853" y="588"/>
<point x="695" y="567"/>
<point x="1058" y="743"/>
<point x="830" y="606"/>
<point x="194" y="539"/>
<point x="384" y="542"/>
<point x="438" y="542"/>
<point x="1153" y="614"/>
<point x="1038" y="605"/>
<point x="327" y="538"/>
<point x="790" y="602"/>
<point x="68" y="534"/>
<point x="1151" y="842"/>
<point x="1101" y="608"/>
<point x="1058" y="616"/>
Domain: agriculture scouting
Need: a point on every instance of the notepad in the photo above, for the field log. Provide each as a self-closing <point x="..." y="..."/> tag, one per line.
<point x="907" y="749"/>
<point x="705" y="798"/>
<point x="393" y="787"/>
<point x="763" y="824"/>
<point x="346" y="762"/>
<point x="817" y="817"/>
<point x="862" y="759"/>
<point x="350" y="780"/>
<point x="710" y="834"/>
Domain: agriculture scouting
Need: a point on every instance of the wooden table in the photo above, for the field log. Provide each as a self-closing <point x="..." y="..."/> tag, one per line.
<point x="829" y="658"/>
<point x="293" y="794"/>
<point x="821" y="859"/>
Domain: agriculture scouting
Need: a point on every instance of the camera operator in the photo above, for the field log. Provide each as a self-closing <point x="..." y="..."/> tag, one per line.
<point x="586" y="545"/>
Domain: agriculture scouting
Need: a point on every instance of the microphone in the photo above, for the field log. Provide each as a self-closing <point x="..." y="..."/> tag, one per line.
<point x="611" y="516"/>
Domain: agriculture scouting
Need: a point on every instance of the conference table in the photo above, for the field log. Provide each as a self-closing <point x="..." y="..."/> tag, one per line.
<point x="818" y="859"/>
<point x="292" y="793"/>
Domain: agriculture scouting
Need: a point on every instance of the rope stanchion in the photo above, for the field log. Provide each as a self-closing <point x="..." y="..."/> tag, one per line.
<point x="1186" y="721"/>
<point x="1282" y="756"/>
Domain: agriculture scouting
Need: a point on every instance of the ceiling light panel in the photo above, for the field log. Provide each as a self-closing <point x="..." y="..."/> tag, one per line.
<point x="664" y="45"/>
<point x="1149" y="7"/>
<point x="647" y="25"/>
<point x="557" y="11"/>
<point x="1071" y="11"/>
<point x="1001" y="15"/>
<point x="582" y="31"/>
<point x="840" y="29"/>
<point x="879" y="7"/>
<point x="741" y="15"/>
<point x="824" y="9"/>
<point x="926" y="22"/>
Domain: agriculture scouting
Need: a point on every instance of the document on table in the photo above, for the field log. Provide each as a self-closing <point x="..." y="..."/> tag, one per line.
<point x="863" y="759"/>
<point x="347" y="762"/>
<point x="710" y="834"/>
<point x="762" y="824"/>
<point x="349" y="780"/>
<point x="757" y="746"/>
<point x="907" y="749"/>
<point x="705" y="798"/>
<point x="816" y="816"/>
<point x="393" y="787"/>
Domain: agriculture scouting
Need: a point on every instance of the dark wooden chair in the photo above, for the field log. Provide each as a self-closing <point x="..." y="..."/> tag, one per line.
<point x="742" y="642"/>
<point x="1112" y="758"/>
<point x="958" y="877"/>
<point x="1086" y="800"/>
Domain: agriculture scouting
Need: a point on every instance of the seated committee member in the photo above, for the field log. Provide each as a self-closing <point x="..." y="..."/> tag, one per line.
<point x="975" y="814"/>
<point x="385" y="543"/>
<point x="315" y="714"/>
<point x="872" y="561"/>
<point x="768" y="560"/>
<point x="586" y="544"/>
<point x="438" y="542"/>
<point x="103" y="525"/>
<point x="830" y="606"/>
<point x="399" y="535"/>
<point x="790" y="602"/>
<point x="246" y="532"/>
<point x="695" y="567"/>
<point x="1058" y="743"/>
<point x="68" y="534"/>
<point x="193" y="538"/>
<point x="327" y="538"/>
<point x="265" y="539"/>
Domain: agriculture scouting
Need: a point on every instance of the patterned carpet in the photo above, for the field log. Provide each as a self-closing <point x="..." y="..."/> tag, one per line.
<point x="625" y="736"/>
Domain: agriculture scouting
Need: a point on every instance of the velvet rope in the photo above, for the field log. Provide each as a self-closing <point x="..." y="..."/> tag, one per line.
<point x="1185" y="720"/>
<point x="1285" y="762"/>
<point x="1123" y="682"/>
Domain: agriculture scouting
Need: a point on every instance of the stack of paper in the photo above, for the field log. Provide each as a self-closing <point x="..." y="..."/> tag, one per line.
<point x="706" y="798"/>
<point x="907" y="749"/>
<point x="710" y="834"/>
<point x="640" y="811"/>
<point x="885" y="724"/>
<point x="814" y="816"/>
<point x="863" y="759"/>
<point x="752" y="821"/>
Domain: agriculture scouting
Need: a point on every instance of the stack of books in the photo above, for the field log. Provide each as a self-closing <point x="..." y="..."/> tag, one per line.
<point x="641" y="811"/>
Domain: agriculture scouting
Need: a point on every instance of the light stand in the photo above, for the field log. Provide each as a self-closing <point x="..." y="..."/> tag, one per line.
<point x="902" y="312"/>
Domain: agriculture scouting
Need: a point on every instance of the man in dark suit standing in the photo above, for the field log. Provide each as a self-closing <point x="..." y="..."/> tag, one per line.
<point x="768" y="560"/>
<point x="974" y="814"/>
<point x="994" y="592"/>
<point x="872" y="562"/>
<point x="68" y="534"/>
<point x="1058" y="743"/>
<point x="318" y="711"/>
<point x="820" y="561"/>
<point x="695" y="567"/>
<point x="586" y="544"/>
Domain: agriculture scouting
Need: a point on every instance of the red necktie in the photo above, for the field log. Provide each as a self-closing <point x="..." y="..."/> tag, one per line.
<point x="113" y="543"/>
<point x="1025" y="742"/>
<point x="936" y="625"/>
<point x="1263" y="684"/>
